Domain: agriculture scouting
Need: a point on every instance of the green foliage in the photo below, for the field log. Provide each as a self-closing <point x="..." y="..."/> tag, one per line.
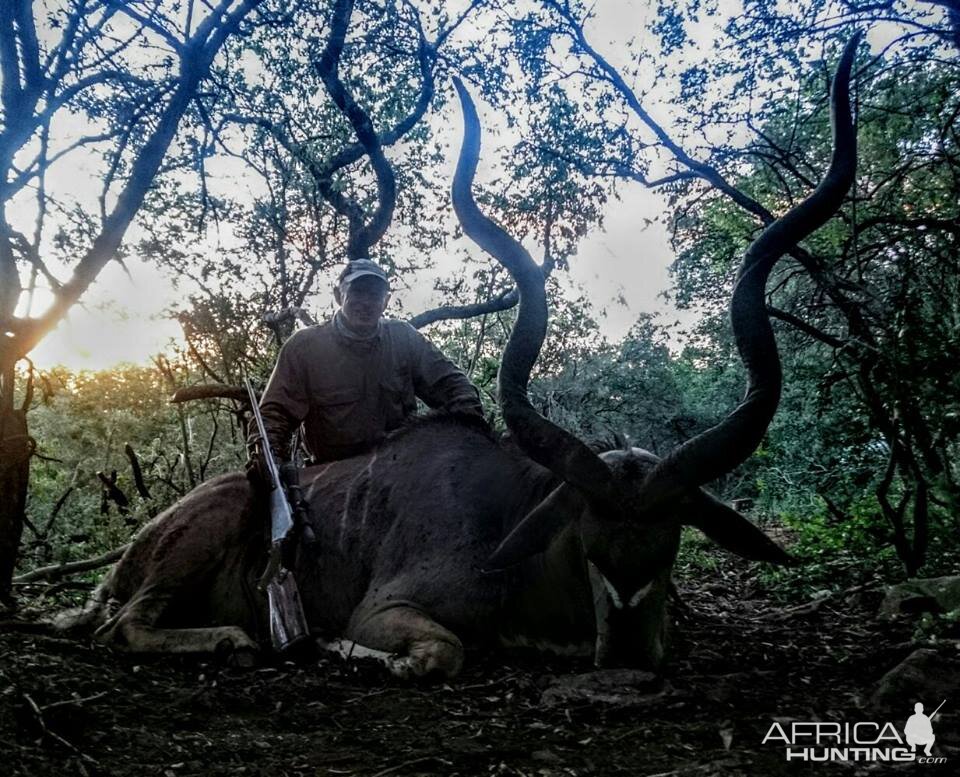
<point x="933" y="628"/>
<point x="698" y="557"/>
<point x="82" y="422"/>
<point x="866" y="424"/>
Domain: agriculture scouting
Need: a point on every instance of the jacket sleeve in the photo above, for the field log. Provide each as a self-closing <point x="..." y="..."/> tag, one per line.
<point x="439" y="382"/>
<point x="284" y="403"/>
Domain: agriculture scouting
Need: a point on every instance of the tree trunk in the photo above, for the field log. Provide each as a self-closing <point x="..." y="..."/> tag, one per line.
<point x="16" y="447"/>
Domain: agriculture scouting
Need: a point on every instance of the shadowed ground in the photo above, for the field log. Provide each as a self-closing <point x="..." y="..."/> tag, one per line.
<point x="71" y="708"/>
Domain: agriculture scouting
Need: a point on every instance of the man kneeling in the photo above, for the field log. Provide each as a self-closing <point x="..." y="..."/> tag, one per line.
<point x="919" y="730"/>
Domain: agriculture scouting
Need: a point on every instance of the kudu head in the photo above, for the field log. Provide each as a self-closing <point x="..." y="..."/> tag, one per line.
<point x="629" y="504"/>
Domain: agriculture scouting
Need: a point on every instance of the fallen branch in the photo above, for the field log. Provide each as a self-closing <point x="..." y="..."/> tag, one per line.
<point x="209" y="391"/>
<point x="69" y="702"/>
<point x="56" y="571"/>
<point x="812" y="606"/>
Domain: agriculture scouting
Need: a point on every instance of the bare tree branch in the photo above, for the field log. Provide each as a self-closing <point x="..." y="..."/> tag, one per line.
<point x="504" y="301"/>
<point x="362" y="236"/>
<point x="804" y="327"/>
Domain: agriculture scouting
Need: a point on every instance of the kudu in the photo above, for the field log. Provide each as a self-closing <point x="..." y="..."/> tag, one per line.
<point x="443" y="535"/>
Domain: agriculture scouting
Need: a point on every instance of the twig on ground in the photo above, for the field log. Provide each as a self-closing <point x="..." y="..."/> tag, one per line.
<point x="38" y="713"/>
<point x="56" y="571"/>
<point x="488" y="684"/>
<point x="808" y="608"/>
<point x="412" y="762"/>
<point x="366" y="696"/>
<point x="67" y="702"/>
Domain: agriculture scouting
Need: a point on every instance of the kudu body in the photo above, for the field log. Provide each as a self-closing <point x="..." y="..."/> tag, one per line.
<point x="444" y="535"/>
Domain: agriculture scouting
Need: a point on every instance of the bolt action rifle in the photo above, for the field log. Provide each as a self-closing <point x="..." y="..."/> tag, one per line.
<point x="288" y="626"/>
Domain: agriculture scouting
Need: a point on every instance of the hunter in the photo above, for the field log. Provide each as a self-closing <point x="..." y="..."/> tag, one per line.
<point x="352" y="380"/>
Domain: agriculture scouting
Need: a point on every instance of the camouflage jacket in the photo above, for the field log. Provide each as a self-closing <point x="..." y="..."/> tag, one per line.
<point x="348" y="394"/>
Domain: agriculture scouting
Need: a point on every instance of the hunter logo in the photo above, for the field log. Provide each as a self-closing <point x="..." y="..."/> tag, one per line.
<point x="860" y="741"/>
<point x="919" y="730"/>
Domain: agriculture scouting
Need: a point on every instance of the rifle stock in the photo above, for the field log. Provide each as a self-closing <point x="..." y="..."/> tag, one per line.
<point x="288" y="626"/>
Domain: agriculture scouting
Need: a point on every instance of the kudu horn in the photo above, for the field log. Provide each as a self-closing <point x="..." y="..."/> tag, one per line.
<point x="720" y="449"/>
<point x="542" y="440"/>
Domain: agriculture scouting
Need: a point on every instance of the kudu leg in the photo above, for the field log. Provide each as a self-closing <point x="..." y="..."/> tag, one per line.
<point x="186" y="568"/>
<point x="132" y="628"/>
<point x="412" y="644"/>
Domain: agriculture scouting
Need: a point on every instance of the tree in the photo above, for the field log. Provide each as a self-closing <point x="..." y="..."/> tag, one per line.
<point x="336" y="85"/>
<point x="702" y="162"/>
<point x="924" y="23"/>
<point x="96" y="61"/>
<point x="320" y="186"/>
<point x="883" y="374"/>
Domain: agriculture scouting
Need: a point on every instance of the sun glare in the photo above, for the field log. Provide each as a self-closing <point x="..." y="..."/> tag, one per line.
<point x="121" y="320"/>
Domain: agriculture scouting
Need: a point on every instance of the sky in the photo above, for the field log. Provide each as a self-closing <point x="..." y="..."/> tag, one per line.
<point x="122" y="317"/>
<point x="622" y="267"/>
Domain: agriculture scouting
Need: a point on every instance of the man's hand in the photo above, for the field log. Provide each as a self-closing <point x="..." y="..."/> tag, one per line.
<point x="257" y="472"/>
<point x="471" y="418"/>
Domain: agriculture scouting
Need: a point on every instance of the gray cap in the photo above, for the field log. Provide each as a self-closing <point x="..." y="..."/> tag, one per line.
<point x="360" y="267"/>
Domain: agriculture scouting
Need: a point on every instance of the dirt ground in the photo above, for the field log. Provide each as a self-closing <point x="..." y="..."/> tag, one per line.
<point x="739" y="663"/>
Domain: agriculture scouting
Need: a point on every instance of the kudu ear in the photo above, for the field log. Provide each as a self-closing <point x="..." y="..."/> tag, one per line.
<point x="730" y="530"/>
<point x="533" y="534"/>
